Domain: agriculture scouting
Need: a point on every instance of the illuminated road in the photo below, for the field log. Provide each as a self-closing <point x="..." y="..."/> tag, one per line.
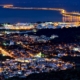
<point x="67" y="16"/>
<point x="62" y="11"/>
<point x="31" y="55"/>
<point x="4" y="52"/>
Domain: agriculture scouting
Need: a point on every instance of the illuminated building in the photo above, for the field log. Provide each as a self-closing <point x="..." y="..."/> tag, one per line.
<point x="18" y="26"/>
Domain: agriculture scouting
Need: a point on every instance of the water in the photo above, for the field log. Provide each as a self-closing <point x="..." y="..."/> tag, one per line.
<point x="13" y="16"/>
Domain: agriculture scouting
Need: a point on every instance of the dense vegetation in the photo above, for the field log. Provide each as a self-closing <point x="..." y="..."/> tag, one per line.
<point x="65" y="35"/>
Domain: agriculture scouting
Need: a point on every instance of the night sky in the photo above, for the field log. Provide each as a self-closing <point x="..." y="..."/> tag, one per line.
<point x="21" y="15"/>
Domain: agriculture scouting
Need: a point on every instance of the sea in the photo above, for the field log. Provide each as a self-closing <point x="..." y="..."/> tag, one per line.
<point x="15" y="16"/>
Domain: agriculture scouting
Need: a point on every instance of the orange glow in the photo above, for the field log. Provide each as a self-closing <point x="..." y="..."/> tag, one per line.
<point x="4" y="52"/>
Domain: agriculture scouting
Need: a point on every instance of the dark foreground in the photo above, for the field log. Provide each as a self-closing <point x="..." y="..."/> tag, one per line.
<point x="71" y="35"/>
<point x="66" y="35"/>
<point x="59" y="75"/>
